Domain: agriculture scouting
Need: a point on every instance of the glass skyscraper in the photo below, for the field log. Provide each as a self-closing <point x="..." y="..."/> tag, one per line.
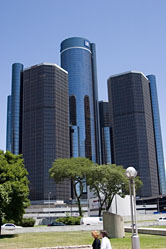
<point x="9" y="123"/>
<point x="78" y="57"/>
<point x="158" y="136"/>
<point x="106" y="132"/>
<point x="14" y="111"/>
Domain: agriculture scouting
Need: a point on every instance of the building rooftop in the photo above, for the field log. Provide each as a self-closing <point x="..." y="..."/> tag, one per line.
<point x="136" y="72"/>
<point x="46" y="64"/>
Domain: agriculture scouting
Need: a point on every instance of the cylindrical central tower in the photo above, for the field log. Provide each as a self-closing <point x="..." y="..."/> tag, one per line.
<point x="78" y="57"/>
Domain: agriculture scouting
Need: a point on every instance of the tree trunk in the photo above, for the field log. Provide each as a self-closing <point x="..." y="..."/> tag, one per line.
<point x="79" y="207"/>
<point x="100" y="210"/>
<point x="109" y="204"/>
<point x="78" y="201"/>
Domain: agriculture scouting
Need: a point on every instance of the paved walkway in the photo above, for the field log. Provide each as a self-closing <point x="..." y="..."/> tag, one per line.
<point x="148" y="230"/>
<point x="66" y="247"/>
<point x="52" y="229"/>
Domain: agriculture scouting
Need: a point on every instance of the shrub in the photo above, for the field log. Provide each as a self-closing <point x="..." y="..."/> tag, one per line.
<point x="27" y="222"/>
<point x="70" y="220"/>
<point x="7" y="221"/>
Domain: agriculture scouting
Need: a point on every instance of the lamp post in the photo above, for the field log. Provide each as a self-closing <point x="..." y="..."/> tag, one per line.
<point x="49" y="197"/>
<point x="145" y="207"/>
<point x="131" y="173"/>
<point x="71" y="206"/>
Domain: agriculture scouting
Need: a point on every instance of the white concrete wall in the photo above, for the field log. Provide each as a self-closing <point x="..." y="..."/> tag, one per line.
<point x="121" y="206"/>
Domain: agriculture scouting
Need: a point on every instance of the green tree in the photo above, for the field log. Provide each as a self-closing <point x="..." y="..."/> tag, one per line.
<point x="5" y="190"/>
<point x="74" y="169"/>
<point x="106" y="181"/>
<point x="14" y="190"/>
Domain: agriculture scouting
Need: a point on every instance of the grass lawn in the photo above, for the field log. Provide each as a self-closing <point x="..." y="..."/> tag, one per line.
<point x="140" y="221"/>
<point x="40" y="226"/>
<point x="157" y="227"/>
<point x="49" y="239"/>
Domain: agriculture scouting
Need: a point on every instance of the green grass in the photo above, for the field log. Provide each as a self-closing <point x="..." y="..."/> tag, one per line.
<point x="156" y="227"/>
<point x="141" y="221"/>
<point x="146" y="221"/>
<point x="50" y="239"/>
<point x="40" y="226"/>
<point x="146" y="241"/>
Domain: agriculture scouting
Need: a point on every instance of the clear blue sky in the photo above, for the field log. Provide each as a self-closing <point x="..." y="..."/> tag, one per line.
<point x="129" y="35"/>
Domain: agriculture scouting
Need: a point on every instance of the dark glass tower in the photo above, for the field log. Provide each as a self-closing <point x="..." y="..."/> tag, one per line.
<point x="9" y="123"/>
<point x="13" y="139"/>
<point x="106" y="132"/>
<point x="78" y="57"/>
<point x="133" y="130"/>
<point x="45" y="135"/>
<point x="158" y="136"/>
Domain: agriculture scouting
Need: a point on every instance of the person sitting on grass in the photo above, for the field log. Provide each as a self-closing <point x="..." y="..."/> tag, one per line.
<point x="105" y="242"/>
<point x="96" y="242"/>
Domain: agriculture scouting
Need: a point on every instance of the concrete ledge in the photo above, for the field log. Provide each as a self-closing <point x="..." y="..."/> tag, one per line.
<point x="66" y="247"/>
<point x="151" y="231"/>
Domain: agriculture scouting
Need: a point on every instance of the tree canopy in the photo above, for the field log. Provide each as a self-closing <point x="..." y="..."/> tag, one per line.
<point x="109" y="180"/>
<point x="14" y="190"/>
<point x="74" y="169"/>
<point x="105" y="181"/>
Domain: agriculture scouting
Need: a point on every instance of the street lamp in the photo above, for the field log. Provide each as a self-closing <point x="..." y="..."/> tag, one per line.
<point x="70" y="199"/>
<point x="49" y="197"/>
<point x="131" y="173"/>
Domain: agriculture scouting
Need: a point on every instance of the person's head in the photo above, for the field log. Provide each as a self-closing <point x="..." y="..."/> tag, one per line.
<point x="103" y="234"/>
<point x="95" y="234"/>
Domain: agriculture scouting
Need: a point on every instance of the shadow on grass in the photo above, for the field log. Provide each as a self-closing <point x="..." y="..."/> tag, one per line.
<point x="8" y="236"/>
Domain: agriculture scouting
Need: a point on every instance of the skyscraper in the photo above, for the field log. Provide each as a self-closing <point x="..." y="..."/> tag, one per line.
<point x="106" y="132"/>
<point x="158" y="136"/>
<point x="133" y="130"/>
<point x="14" y="111"/>
<point x="45" y="135"/>
<point x="78" y="57"/>
<point x="9" y="123"/>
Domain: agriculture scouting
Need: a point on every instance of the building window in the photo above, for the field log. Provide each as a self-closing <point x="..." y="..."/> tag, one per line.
<point x="72" y="106"/>
<point x="88" y="146"/>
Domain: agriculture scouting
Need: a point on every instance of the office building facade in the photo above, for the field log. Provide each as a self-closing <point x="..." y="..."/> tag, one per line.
<point x="78" y="57"/>
<point x="45" y="122"/>
<point x="106" y="132"/>
<point x="13" y="139"/>
<point x="158" y="135"/>
<point x="133" y="131"/>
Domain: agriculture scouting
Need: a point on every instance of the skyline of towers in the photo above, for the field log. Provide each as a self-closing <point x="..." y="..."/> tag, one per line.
<point x="90" y="135"/>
